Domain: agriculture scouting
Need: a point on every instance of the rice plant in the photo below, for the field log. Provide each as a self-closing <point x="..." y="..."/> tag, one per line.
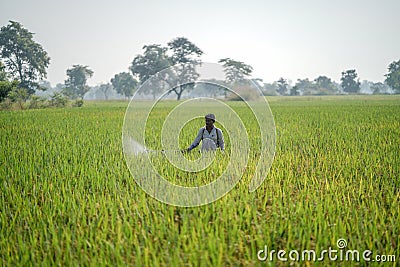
<point x="68" y="197"/>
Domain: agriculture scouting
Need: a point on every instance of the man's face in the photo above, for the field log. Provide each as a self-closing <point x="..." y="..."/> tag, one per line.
<point x="209" y="122"/>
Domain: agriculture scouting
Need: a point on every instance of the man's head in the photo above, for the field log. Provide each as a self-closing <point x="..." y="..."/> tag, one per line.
<point x="210" y="119"/>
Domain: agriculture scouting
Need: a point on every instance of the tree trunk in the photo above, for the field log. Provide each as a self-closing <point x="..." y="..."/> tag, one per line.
<point x="179" y="93"/>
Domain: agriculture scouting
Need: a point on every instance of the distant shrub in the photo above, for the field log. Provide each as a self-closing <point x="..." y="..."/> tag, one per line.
<point x="6" y="104"/>
<point x="37" y="102"/>
<point x="19" y="95"/>
<point x="6" y="87"/>
<point x="78" y="103"/>
<point x="58" y="100"/>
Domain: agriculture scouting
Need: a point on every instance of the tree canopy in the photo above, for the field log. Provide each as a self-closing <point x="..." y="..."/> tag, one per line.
<point x="187" y="55"/>
<point x="124" y="84"/>
<point x="6" y="88"/>
<point x="235" y="71"/>
<point x="349" y="82"/>
<point x="393" y="76"/>
<point x="105" y="89"/>
<point x="25" y="60"/>
<point x="75" y="84"/>
<point x="325" y="85"/>
<point x="184" y="51"/>
<point x="155" y="58"/>
<point x="283" y="86"/>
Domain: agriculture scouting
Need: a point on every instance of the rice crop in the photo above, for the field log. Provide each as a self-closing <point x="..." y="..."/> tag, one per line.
<point x="68" y="198"/>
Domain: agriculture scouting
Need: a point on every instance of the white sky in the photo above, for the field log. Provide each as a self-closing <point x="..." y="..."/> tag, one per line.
<point x="290" y="39"/>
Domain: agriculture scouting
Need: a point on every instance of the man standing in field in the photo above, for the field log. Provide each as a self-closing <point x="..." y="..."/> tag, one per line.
<point x="211" y="136"/>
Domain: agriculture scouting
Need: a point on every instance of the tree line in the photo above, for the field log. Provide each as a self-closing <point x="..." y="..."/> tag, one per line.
<point x="24" y="63"/>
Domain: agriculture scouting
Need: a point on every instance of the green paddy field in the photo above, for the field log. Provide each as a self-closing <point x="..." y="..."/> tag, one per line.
<point x="67" y="196"/>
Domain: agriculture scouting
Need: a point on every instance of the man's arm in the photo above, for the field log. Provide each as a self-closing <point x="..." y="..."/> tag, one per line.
<point x="196" y="141"/>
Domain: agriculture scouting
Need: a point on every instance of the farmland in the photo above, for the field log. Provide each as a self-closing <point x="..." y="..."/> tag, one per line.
<point x="68" y="197"/>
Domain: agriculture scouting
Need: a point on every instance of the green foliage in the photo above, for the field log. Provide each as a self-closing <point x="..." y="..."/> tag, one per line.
<point x="153" y="60"/>
<point x="184" y="51"/>
<point x="18" y="98"/>
<point x="78" y="103"/>
<point x="6" y="104"/>
<point x="295" y="90"/>
<point x="106" y="89"/>
<point x="25" y="60"/>
<point x="378" y="88"/>
<point x="19" y="95"/>
<point x="283" y="86"/>
<point x="305" y="86"/>
<point x="124" y="84"/>
<point x="6" y="87"/>
<point x="187" y="54"/>
<point x="75" y="85"/>
<point x="156" y="59"/>
<point x="325" y="85"/>
<point x="349" y="82"/>
<point x="270" y="89"/>
<point x="37" y="102"/>
<point x="393" y="76"/>
<point x="235" y="71"/>
<point x="58" y="100"/>
<point x="67" y="197"/>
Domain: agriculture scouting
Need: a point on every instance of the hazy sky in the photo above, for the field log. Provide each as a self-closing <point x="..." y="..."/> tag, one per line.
<point x="291" y="39"/>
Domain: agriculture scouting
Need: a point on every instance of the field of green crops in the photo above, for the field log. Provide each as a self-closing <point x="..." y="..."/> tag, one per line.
<point x="68" y="198"/>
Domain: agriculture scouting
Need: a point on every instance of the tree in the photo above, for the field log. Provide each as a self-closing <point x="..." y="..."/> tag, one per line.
<point x="393" y="76"/>
<point x="153" y="60"/>
<point x="235" y="71"/>
<point x="349" y="83"/>
<point x="19" y="95"/>
<point x="75" y="85"/>
<point x="270" y="88"/>
<point x="187" y="55"/>
<point x="379" y="88"/>
<point x="304" y="87"/>
<point x="124" y="84"/>
<point x="295" y="90"/>
<point x="325" y="85"/>
<point x="105" y="89"/>
<point x="184" y="51"/>
<point x="25" y="60"/>
<point x="6" y="87"/>
<point x="283" y="86"/>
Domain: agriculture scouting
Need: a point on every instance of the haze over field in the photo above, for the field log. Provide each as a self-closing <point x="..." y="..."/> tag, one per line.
<point x="291" y="39"/>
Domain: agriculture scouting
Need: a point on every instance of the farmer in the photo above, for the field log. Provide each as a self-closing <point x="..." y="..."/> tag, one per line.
<point x="211" y="136"/>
